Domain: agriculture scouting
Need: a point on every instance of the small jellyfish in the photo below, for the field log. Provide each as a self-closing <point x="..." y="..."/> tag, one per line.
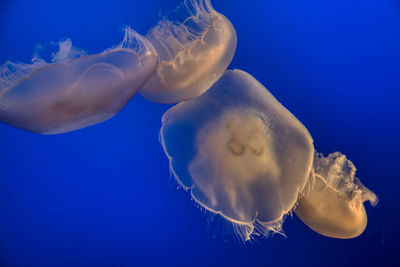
<point x="240" y="152"/>
<point x="74" y="92"/>
<point x="193" y="54"/>
<point x="332" y="204"/>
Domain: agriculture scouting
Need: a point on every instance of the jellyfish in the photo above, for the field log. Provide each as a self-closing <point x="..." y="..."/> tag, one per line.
<point x="74" y="90"/>
<point x="332" y="204"/>
<point x="239" y="152"/>
<point x="193" y="53"/>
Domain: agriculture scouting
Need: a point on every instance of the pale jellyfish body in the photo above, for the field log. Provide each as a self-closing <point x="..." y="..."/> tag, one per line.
<point x="333" y="204"/>
<point x="70" y="94"/>
<point x="193" y="54"/>
<point x="239" y="151"/>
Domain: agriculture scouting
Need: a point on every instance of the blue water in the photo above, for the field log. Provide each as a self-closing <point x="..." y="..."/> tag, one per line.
<point x="103" y="196"/>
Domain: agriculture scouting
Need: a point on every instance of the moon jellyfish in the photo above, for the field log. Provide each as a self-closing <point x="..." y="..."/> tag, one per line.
<point x="193" y="54"/>
<point x="74" y="92"/>
<point x="240" y="152"/>
<point x="333" y="205"/>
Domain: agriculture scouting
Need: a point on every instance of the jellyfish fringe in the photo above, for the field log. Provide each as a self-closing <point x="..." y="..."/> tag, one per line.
<point x="134" y="41"/>
<point x="171" y="36"/>
<point x="339" y="173"/>
<point x="12" y="72"/>
<point x="244" y="231"/>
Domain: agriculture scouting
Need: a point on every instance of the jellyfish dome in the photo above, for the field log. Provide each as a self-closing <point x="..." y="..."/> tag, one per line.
<point x="193" y="53"/>
<point x="333" y="204"/>
<point x="74" y="92"/>
<point x="239" y="151"/>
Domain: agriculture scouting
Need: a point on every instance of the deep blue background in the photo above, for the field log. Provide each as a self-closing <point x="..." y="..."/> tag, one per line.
<point x="103" y="196"/>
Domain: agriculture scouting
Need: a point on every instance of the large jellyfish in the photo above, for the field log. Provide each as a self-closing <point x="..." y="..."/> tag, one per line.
<point x="193" y="54"/>
<point x="239" y="151"/>
<point x="74" y="92"/>
<point x="333" y="203"/>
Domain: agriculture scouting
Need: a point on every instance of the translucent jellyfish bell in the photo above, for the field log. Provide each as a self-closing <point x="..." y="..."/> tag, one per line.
<point x="239" y="151"/>
<point x="73" y="93"/>
<point x="333" y="203"/>
<point x="193" y="54"/>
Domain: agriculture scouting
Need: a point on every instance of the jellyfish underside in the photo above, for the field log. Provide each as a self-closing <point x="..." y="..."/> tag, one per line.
<point x="65" y="96"/>
<point x="192" y="54"/>
<point x="239" y="151"/>
<point x="333" y="205"/>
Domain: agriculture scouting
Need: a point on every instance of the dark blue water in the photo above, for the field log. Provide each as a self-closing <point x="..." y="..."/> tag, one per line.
<point x="103" y="196"/>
